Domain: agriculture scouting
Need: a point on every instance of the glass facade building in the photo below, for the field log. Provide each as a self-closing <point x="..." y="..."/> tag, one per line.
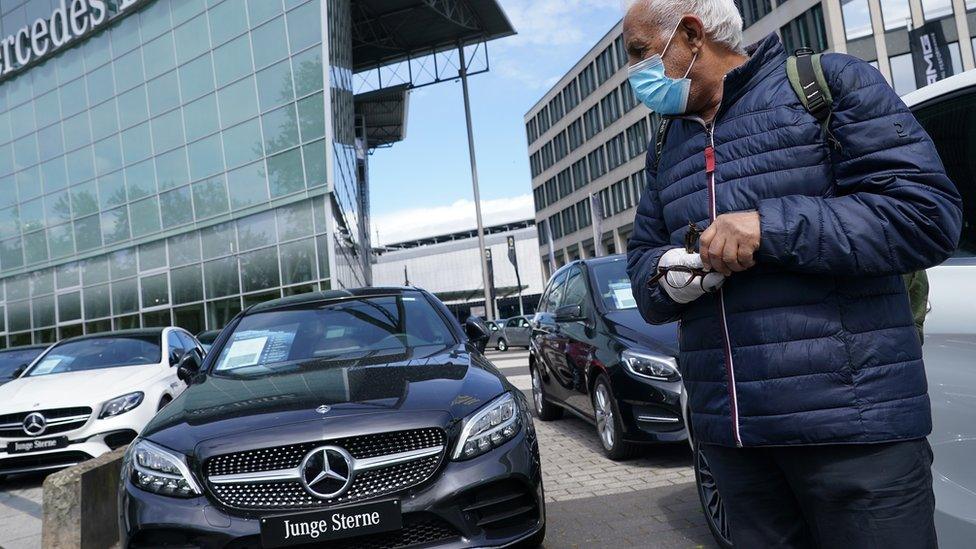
<point x="185" y="160"/>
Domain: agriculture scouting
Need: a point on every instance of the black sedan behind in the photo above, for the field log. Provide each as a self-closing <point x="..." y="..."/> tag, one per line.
<point x="364" y="418"/>
<point x="593" y="355"/>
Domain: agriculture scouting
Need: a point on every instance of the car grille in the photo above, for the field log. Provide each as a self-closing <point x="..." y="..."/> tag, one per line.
<point x="30" y="462"/>
<point x="60" y="420"/>
<point x="290" y="494"/>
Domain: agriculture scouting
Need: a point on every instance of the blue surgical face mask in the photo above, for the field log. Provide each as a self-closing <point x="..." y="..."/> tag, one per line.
<point x="663" y="95"/>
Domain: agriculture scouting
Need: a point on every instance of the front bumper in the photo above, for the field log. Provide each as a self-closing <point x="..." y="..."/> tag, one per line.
<point x="450" y="510"/>
<point x="650" y="410"/>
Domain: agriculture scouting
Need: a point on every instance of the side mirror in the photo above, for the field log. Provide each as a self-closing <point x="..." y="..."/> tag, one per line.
<point x="175" y="355"/>
<point x="188" y="367"/>
<point x="19" y="371"/>
<point x="477" y="332"/>
<point x="570" y="313"/>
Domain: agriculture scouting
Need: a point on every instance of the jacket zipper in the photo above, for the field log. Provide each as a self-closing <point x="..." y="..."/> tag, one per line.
<point x="712" y="214"/>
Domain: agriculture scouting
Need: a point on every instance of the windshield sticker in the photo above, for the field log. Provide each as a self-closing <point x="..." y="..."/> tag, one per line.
<point x="245" y="352"/>
<point x="46" y="366"/>
<point x="623" y="295"/>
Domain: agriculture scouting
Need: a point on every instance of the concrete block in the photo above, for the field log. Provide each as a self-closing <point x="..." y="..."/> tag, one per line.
<point x="81" y="505"/>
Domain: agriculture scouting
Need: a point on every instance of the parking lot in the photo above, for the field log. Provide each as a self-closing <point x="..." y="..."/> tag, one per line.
<point x="592" y="501"/>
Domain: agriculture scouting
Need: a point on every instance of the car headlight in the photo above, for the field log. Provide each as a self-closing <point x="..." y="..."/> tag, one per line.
<point x="650" y="365"/>
<point x="159" y="470"/>
<point x="120" y="405"/>
<point x="493" y="425"/>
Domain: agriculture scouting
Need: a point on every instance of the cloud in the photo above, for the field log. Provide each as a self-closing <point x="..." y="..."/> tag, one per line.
<point x="554" y="22"/>
<point x="417" y="223"/>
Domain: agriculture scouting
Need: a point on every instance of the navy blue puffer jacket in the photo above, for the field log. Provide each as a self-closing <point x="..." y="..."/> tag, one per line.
<point x="816" y="344"/>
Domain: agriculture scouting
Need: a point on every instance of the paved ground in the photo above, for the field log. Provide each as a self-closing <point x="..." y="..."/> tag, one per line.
<point x="649" y="502"/>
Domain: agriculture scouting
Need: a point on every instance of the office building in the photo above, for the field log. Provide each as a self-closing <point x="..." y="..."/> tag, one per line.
<point x="173" y="161"/>
<point x="588" y="136"/>
<point x="449" y="266"/>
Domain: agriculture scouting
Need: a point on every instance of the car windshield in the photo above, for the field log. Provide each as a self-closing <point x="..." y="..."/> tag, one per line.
<point x="99" y="352"/>
<point x="613" y="284"/>
<point x="350" y="329"/>
<point x="12" y="359"/>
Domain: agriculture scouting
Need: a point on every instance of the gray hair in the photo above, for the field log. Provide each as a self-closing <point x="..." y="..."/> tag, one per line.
<point x="721" y="19"/>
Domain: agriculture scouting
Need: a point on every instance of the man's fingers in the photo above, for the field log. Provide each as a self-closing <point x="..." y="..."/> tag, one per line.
<point x="730" y="256"/>
<point x="746" y="258"/>
<point x="704" y="241"/>
<point x="716" y="251"/>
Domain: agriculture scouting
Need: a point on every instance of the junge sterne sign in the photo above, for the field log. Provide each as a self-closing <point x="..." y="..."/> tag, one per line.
<point x="70" y="20"/>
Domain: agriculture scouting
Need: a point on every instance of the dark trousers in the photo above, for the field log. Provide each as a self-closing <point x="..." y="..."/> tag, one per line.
<point x="838" y="496"/>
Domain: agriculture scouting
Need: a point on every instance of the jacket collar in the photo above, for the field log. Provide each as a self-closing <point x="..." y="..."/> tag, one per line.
<point x="765" y="56"/>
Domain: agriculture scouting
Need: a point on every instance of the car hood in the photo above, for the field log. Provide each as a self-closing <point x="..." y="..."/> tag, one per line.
<point x="432" y="387"/>
<point x="72" y="389"/>
<point x="630" y="325"/>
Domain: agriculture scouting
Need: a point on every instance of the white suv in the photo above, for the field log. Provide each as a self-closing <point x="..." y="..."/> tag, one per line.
<point x="88" y="395"/>
<point x="947" y="110"/>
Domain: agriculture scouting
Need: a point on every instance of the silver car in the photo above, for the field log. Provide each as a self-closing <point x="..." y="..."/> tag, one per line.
<point x="945" y="109"/>
<point x="515" y="333"/>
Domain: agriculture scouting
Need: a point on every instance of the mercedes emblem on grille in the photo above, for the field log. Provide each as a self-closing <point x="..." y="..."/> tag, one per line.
<point x="35" y="424"/>
<point x="327" y="472"/>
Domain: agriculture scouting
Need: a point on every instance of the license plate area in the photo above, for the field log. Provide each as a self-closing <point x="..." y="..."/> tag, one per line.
<point x="332" y="524"/>
<point x="36" y="445"/>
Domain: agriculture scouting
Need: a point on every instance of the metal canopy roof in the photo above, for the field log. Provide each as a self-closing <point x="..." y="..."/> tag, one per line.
<point x="392" y="31"/>
<point x="385" y="113"/>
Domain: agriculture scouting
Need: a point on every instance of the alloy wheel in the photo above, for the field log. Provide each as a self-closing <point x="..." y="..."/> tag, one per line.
<point x="537" y="391"/>
<point x="712" y="501"/>
<point x="604" y="416"/>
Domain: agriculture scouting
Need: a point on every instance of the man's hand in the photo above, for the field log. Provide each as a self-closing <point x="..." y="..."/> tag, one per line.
<point x="728" y="245"/>
<point x="684" y="287"/>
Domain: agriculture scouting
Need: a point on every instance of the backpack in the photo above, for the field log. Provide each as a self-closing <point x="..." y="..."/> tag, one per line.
<point x="806" y="76"/>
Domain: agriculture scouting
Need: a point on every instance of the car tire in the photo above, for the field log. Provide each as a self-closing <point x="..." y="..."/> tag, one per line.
<point x="164" y="401"/>
<point x="545" y="410"/>
<point x="534" y="541"/>
<point x="608" y="426"/>
<point x="711" y="502"/>
<point x="502" y="345"/>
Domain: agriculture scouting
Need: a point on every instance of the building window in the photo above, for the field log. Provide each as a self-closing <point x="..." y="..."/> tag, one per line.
<point x="539" y="196"/>
<point x="530" y="131"/>
<point x="543" y="233"/>
<point x="637" y="184"/>
<point x="605" y="65"/>
<point x="535" y="163"/>
<point x="637" y="139"/>
<point x="575" y="134"/>
<point x="571" y="96"/>
<point x="903" y="74"/>
<point x="610" y="107"/>
<point x="621" y="51"/>
<point x="583" y="215"/>
<point x="587" y="81"/>
<point x="936" y="9"/>
<point x="857" y="19"/>
<point x="592" y="120"/>
<point x="556" y="226"/>
<point x="543" y="122"/>
<point x="559" y="146"/>
<point x="896" y="13"/>
<point x="615" y="152"/>
<point x="627" y="97"/>
<point x="580" y="174"/>
<point x="556" y="108"/>
<point x="564" y="182"/>
<point x="598" y="165"/>
<point x="551" y="191"/>
<point x="753" y="10"/>
<point x="569" y="220"/>
<point x="807" y="30"/>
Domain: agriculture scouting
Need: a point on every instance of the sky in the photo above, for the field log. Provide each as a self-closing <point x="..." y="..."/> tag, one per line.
<point x="422" y="186"/>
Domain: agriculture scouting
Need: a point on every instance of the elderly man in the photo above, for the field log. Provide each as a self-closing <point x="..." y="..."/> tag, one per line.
<point x="798" y="350"/>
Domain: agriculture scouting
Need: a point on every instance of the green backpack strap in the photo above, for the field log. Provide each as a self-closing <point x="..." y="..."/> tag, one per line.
<point x="806" y="76"/>
<point x="917" y="284"/>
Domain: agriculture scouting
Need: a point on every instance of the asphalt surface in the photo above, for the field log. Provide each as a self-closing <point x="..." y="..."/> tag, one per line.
<point x="647" y="502"/>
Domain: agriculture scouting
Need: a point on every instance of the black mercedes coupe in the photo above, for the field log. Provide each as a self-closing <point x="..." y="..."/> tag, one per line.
<point x="362" y="418"/>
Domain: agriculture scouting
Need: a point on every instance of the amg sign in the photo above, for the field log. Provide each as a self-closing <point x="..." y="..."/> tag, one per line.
<point x="70" y="21"/>
<point x="930" y="54"/>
